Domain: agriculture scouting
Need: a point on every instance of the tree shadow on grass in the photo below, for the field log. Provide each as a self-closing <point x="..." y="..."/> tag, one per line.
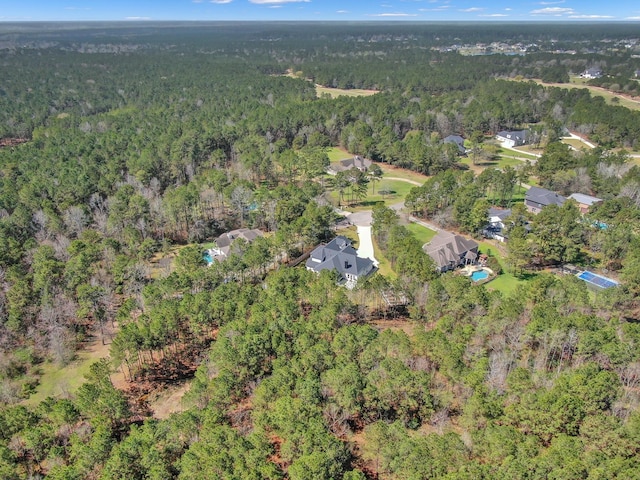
<point x="524" y="276"/>
<point x="368" y="203"/>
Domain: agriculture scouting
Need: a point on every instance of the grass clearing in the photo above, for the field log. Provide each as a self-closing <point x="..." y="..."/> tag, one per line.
<point x="506" y="282"/>
<point x="384" y="265"/>
<point x="423" y="234"/>
<point x="523" y="151"/>
<point x="161" y="263"/>
<point x="577" y="82"/>
<point x="351" y="233"/>
<point x="575" y="143"/>
<point x="500" y="162"/>
<point x="396" y="172"/>
<point x="337" y="153"/>
<point x="59" y="381"/>
<point x="397" y="189"/>
<point x="342" y="92"/>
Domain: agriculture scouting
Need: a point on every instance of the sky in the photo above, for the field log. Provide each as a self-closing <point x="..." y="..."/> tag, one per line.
<point x="305" y="10"/>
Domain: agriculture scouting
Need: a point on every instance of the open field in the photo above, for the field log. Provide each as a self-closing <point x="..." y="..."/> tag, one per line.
<point x="395" y="172"/>
<point x="398" y="191"/>
<point x="575" y="143"/>
<point x="577" y="82"/>
<point x="338" y="153"/>
<point x="340" y="92"/>
<point x="500" y="162"/>
<point x="59" y="381"/>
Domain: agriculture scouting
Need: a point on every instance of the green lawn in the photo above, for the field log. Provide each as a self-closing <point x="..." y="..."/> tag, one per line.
<point x="395" y="172"/>
<point x="499" y="162"/>
<point x="505" y="282"/>
<point x="352" y="234"/>
<point x="575" y="143"/>
<point x="384" y="266"/>
<point x="423" y="234"/>
<point x="336" y="154"/>
<point x="57" y="381"/>
<point x="524" y="151"/>
<point x="398" y="189"/>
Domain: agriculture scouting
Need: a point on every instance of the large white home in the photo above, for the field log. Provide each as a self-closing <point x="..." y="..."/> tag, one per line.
<point x="512" y="138"/>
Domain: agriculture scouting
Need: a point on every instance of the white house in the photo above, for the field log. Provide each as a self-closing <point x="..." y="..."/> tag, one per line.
<point x="513" y="138"/>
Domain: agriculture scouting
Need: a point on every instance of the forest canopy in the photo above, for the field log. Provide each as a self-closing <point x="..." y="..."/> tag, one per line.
<point x="126" y="148"/>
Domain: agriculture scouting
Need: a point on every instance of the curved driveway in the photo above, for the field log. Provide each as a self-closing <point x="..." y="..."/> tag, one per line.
<point x="362" y="220"/>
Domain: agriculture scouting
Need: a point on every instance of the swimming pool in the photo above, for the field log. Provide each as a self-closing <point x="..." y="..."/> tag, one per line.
<point x="207" y="257"/>
<point x="479" y="275"/>
<point x="597" y="280"/>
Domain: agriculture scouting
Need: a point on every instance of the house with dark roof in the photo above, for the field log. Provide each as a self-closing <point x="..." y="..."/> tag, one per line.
<point x="537" y="198"/>
<point x="224" y="243"/>
<point x="450" y="251"/>
<point x="456" y="140"/>
<point x="593" y="72"/>
<point x="585" y="202"/>
<point x="512" y="138"/>
<point x="339" y="255"/>
<point x="361" y="163"/>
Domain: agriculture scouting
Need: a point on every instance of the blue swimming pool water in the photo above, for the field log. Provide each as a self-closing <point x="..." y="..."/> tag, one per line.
<point x="597" y="280"/>
<point x="207" y="257"/>
<point x="479" y="275"/>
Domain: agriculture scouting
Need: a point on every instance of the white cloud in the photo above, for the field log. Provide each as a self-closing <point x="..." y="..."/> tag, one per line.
<point x="494" y="15"/>
<point x="137" y="18"/>
<point x="219" y="2"/>
<point x="470" y="10"/>
<point x="552" y="3"/>
<point x="436" y="9"/>
<point x="507" y="9"/>
<point x="393" y="15"/>
<point x="553" y="11"/>
<point x="342" y="11"/>
<point x="592" y="17"/>
<point x="632" y="18"/>
<point x="271" y="2"/>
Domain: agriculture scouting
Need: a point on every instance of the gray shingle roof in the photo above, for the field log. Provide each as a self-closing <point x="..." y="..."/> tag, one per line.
<point x="447" y="248"/>
<point x="338" y="255"/>
<point x="544" y="197"/>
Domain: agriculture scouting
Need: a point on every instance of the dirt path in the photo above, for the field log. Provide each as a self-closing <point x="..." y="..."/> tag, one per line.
<point x="169" y="401"/>
<point x="406" y="180"/>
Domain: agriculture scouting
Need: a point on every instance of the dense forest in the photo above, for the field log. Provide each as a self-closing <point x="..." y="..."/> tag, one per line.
<point x="123" y="144"/>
